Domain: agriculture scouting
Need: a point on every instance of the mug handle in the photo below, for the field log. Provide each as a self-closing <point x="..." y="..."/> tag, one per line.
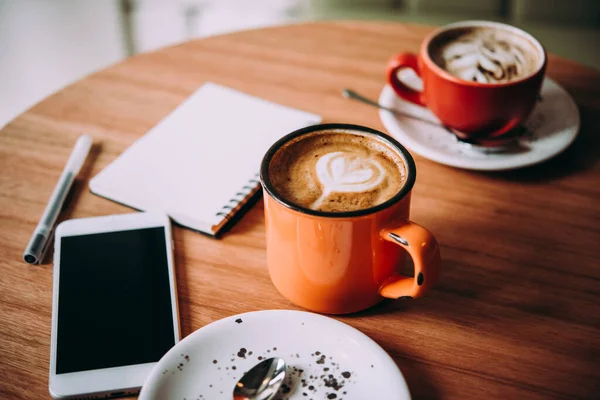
<point x="398" y="62"/>
<point x="425" y="252"/>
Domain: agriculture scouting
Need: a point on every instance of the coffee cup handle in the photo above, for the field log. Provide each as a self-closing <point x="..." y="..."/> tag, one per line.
<point x="425" y="252"/>
<point x="398" y="62"/>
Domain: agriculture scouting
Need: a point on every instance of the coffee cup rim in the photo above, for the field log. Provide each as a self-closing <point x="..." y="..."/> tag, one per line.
<point x="481" y="23"/>
<point x="409" y="162"/>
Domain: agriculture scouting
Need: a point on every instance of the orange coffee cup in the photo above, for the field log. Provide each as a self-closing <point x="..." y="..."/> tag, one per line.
<point x="473" y="110"/>
<point x="343" y="262"/>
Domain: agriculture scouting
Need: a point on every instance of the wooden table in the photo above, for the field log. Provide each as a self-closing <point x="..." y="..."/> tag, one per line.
<point x="516" y="313"/>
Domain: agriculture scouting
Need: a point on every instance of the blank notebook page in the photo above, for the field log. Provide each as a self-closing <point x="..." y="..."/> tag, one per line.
<point x="201" y="162"/>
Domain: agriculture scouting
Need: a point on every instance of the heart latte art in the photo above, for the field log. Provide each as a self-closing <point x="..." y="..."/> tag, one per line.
<point x="345" y="172"/>
<point x="337" y="171"/>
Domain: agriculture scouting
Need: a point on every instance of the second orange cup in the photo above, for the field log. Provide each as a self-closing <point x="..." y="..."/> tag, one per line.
<point x="480" y="78"/>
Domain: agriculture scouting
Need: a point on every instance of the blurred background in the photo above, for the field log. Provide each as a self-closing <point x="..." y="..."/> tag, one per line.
<point x="47" y="44"/>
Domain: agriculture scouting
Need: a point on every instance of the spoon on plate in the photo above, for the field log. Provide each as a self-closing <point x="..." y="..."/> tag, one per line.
<point x="262" y="382"/>
<point x="351" y="94"/>
<point x="507" y="143"/>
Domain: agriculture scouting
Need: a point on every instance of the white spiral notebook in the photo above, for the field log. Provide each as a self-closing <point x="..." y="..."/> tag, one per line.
<point x="200" y="164"/>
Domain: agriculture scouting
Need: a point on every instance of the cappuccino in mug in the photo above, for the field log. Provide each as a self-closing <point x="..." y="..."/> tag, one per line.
<point x="485" y="54"/>
<point x="337" y="203"/>
<point x="337" y="171"/>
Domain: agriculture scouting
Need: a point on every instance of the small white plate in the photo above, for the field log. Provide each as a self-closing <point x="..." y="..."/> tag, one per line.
<point x="551" y="128"/>
<point x="326" y="359"/>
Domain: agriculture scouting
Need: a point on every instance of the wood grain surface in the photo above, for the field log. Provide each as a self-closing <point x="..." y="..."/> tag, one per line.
<point x="516" y="314"/>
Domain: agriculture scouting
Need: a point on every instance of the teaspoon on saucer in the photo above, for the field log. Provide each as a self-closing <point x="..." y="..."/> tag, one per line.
<point x="262" y="382"/>
<point x="505" y="145"/>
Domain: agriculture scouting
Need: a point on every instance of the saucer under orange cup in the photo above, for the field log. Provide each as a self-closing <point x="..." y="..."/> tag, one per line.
<point x="475" y="111"/>
<point x="343" y="262"/>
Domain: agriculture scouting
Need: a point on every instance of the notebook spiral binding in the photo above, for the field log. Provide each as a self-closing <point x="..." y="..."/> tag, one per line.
<point x="241" y="197"/>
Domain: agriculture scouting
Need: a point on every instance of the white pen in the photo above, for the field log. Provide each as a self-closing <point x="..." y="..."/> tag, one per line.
<point x="41" y="235"/>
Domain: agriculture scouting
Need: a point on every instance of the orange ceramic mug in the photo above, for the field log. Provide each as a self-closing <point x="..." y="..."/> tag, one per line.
<point x="472" y="109"/>
<point x="342" y="262"/>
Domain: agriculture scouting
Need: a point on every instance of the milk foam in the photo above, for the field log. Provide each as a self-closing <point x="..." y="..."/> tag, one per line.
<point x="486" y="57"/>
<point x="347" y="172"/>
<point x="337" y="171"/>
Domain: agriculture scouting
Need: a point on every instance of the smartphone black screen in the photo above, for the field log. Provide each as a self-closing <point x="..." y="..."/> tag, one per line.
<point x="114" y="302"/>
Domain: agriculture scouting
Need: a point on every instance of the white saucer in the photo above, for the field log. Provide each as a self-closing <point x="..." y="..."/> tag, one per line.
<point x="552" y="127"/>
<point x="325" y="357"/>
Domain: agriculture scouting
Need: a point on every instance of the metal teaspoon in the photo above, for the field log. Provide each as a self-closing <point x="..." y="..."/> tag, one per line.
<point x="351" y="94"/>
<point x="262" y="382"/>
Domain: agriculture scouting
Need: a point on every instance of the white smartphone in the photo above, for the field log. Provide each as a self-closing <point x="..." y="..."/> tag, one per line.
<point x="114" y="304"/>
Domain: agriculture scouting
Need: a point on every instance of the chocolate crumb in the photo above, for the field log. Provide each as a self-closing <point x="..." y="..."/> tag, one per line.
<point x="285" y="388"/>
<point x="260" y="358"/>
<point x="239" y="320"/>
<point x="214" y="361"/>
<point x="333" y="383"/>
<point x="346" y="374"/>
<point x="311" y="387"/>
<point x="331" y="396"/>
<point x="234" y="367"/>
<point x="242" y="353"/>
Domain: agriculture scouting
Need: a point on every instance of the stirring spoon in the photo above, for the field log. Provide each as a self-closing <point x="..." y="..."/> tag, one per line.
<point x="351" y="94"/>
<point x="262" y="382"/>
